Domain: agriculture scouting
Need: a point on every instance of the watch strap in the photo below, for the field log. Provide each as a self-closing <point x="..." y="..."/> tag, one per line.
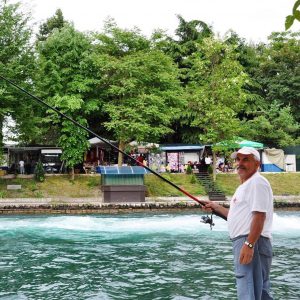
<point x="249" y="244"/>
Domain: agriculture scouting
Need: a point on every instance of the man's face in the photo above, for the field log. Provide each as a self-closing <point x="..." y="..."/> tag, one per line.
<point x="247" y="165"/>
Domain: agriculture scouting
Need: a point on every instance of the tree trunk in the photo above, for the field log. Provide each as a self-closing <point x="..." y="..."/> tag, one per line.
<point x="72" y="173"/>
<point x="120" y="156"/>
<point x="214" y="166"/>
<point x="1" y="133"/>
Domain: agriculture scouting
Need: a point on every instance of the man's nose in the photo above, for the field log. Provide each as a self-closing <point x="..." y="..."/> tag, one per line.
<point x="239" y="163"/>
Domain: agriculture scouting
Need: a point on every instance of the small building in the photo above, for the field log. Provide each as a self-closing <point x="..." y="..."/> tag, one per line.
<point x="49" y="156"/>
<point x="295" y="151"/>
<point x="277" y="160"/>
<point x="99" y="153"/>
<point x="122" y="184"/>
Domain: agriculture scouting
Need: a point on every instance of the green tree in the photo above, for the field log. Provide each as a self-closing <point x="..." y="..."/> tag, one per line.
<point x="249" y="56"/>
<point x="278" y="74"/>
<point x="280" y="68"/>
<point x="55" y="22"/>
<point x="189" y="35"/>
<point x="215" y="93"/>
<point x="16" y="63"/>
<point x="275" y="127"/>
<point x="272" y="89"/>
<point x="64" y="80"/>
<point x="139" y="86"/>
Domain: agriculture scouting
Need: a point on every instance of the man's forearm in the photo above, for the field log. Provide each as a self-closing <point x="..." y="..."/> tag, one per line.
<point x="222" y="210"/>
<point x="257" y="226"/>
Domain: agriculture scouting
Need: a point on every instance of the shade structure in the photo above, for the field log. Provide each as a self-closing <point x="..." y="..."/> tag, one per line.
<point x="246" y="143"/>
<point x="239" y="143"/>
<point x="124" y="170"/>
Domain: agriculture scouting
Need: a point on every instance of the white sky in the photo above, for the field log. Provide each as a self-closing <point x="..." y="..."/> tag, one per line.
<point x="253" y="20"/>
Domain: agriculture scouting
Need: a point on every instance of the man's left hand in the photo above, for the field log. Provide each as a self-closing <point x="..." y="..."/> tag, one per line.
<point x="246" y="255"/>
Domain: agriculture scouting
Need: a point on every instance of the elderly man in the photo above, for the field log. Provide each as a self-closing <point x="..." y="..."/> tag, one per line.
<point x="249" y="223"/>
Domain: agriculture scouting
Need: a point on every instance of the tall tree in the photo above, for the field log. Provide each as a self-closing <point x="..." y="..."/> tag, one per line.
<point x="55" y="22"/>
<point x="215" y="93"/>
<point x="64" y="79"/>
<point x="188" y="36"/>
<point x="16" y="63"/>
<point x="275" y="127"/>
<point x="279" y="71"/>
<point x="277" y="78"/>
<point x="141" y="90"/>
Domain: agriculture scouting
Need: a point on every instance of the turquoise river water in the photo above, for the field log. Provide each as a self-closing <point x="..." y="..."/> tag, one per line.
<point x="136" y="256"/>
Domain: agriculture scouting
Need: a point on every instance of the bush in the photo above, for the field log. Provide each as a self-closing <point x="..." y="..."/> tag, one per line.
<point x="189" y="169"/>
<point x="209" y="169"/>
<point x="193" y="179"/>
<point x="3" y="194"/>
<point x="39" y="172"/>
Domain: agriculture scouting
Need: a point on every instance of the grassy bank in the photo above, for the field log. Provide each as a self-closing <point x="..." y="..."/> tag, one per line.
<point x="88" y="186"/>
<point x="56" y="186"/>
<point x="282" y="183"/>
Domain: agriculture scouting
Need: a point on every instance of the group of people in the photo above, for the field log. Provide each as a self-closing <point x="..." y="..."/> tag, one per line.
<point x="222" y="164"/>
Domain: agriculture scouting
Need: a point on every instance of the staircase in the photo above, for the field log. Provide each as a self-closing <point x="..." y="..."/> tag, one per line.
<point x="214" y="193"/>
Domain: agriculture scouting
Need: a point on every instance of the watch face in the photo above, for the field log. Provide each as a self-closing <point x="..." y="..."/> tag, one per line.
<point x="248" y="244"/>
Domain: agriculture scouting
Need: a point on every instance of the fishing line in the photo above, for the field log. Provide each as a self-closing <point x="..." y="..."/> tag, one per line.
<point x="201" y="202"/>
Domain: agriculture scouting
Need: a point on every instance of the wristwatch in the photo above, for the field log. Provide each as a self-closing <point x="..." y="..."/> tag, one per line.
<point x="249" y="244"/>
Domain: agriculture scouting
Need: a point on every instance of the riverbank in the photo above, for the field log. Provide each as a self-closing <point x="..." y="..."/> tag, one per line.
<point x="61" y="205"/>
<point x="88" y="186"/>
<point x="60" y="195"/>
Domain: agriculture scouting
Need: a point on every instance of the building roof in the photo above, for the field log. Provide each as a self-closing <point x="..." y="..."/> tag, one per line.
<point x="122" y="170"/>
<point x="182" y="147"/>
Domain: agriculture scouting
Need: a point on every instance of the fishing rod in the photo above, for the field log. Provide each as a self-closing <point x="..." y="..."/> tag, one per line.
<point x="206" y="220"/>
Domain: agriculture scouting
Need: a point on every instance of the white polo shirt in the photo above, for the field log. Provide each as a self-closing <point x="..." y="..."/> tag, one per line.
<point x="255" y="194"/>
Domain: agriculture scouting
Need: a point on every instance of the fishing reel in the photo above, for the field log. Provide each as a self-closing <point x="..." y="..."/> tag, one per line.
<point x="208" y="220"/>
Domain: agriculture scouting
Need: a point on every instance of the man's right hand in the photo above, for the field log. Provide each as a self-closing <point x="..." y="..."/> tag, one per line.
<point x="212" y="206"/>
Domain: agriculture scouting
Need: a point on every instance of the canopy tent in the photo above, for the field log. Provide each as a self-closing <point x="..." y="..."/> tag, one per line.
<point x="143" y="146"/>
<point x="273" y="160"/>
<point x="246" y="143"/>
<point x="239" y="143"/>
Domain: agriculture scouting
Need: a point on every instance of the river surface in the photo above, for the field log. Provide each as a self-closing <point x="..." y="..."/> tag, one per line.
<point x="136" y="256"/>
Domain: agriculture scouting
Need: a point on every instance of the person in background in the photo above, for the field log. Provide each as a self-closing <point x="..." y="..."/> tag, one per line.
<point x="168" y="167"/>
<point x="249" y="223"/>
<point x="162" y="168"/>
<point x="22" y="166"/>
<point x="208" y="160"/>
<point x="181" y="168"/>
<point x="140" y="160"/>
<point x="145" y="163"/>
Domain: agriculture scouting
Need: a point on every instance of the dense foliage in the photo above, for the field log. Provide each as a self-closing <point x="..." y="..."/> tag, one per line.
<point x="194" y="87"/>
